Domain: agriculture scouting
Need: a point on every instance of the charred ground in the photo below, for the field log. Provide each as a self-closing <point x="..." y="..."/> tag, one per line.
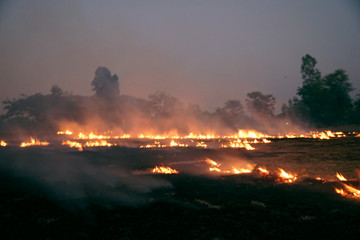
<point x="57" y="193"/>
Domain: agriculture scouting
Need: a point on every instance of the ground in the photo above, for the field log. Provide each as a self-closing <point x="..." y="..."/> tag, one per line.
<point x="108" y="193"/>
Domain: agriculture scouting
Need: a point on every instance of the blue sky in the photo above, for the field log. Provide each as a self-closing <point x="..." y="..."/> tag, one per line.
<point x="203" y="52"/>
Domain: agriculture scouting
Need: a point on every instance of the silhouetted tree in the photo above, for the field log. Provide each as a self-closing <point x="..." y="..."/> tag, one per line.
<point x="104" y="84"/>
<point x="338" y="104"/>
<point x="232" y="113"/>
<point x="260" y="105"/>
<point x="163" y="105"/>
<point x="355" y="113"/>
<point x="322" y="100"/>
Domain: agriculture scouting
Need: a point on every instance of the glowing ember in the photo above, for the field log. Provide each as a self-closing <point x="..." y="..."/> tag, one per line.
<point x="286" y="177"/>
<point x="340" y="177"/>
<point x="3" y="143"/>
<point x="33" y="142"/>
<point x="164" y="170"/>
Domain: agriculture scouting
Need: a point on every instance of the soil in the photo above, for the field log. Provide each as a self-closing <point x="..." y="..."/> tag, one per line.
<point x="109" y="193"/>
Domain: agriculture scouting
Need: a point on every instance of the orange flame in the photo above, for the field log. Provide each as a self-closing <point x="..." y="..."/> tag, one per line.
<point x="3" y="143"/>
<point x="33" y="142"/>
<point x="348" y="191"/>
<point x="164" y="170"/>
<point x="340" y="177"/>
<point x="286" y="177"/>
<point x="263" y="171"/>
<point x="73" y="144"/>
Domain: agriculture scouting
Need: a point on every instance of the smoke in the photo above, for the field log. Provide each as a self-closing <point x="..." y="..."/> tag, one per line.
<point x="77" y="180"/>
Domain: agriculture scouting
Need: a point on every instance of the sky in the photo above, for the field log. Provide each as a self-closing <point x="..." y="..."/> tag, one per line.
<point x="203" y="52"/>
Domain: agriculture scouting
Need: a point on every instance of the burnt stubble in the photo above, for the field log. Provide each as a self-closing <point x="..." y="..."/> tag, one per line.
<point x="58" y="193"/>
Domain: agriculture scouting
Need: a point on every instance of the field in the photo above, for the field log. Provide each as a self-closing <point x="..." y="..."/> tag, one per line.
<point x="111" y="193"/>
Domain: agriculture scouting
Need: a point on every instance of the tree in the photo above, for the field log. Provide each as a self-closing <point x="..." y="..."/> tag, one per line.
<point x="338" y="104"/>
<point x="309" y="73"/>
<point x="105" y="85"/>
<point x="355" y="113"/>
<point x="260" y="105"/>
<point x="323" y="101"/>
<point x="232" y="113"/>
<point x="162" y="104"/>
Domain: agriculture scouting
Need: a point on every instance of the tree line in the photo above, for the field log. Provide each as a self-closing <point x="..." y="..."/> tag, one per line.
<point x="321" y="101"/>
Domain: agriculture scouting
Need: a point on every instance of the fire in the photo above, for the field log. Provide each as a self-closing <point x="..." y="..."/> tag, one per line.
<point x="340" y="177"/>
<point x="357" y="135"/>
<point x="200" y="136"/>
<point x="66" y="132"/>
<point x="250" y="134"/>
<point x="164" y="170"/>
<point x="73" y="144"/>
<point x="211" y="162"/>
<point x="214" y="169"/>
<point x="100" y="143"/>
<point x="348" y="191"/>
<point x="238" y="143"/>
<point x="33" y="142"/>
<point x="241" y="170"/>
<point x="91" y="135"/>
<point x="3" y="143"/>
<point x="263" y="171"/>
<point x="201" y="144"/>
<point x="286" y="177"/>
<point x="175" y="144"/>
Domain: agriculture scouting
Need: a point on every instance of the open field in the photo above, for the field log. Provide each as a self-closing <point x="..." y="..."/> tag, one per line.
<point x="110" y="193"/>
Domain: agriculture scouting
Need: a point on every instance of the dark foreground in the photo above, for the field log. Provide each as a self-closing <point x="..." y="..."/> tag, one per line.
<point x="105" y="194"/>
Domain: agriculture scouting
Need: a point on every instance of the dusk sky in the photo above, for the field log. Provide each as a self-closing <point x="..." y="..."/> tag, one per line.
<point x="203" y="52"/>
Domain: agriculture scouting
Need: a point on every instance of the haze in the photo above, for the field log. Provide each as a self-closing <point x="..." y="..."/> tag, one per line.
<point x="203" y="52"/>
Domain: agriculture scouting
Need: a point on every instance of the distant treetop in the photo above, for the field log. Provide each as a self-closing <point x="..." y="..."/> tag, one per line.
<point x="104" y="84"/>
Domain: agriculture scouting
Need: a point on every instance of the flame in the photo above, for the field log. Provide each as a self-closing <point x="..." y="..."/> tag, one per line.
<point x="66" y="132"/>
<point x="164" y="170"/>
<point x="263" y="171"/>
<point x="33" y="142"/>
<point x="211" y="162"/>
<point x="3" y="143"/>
<point x="250" y="134"/>
<point x="73" y="144"/>
<point x="357" y="135"/>
<point x="348" y="191"/>
<point x="99" y="143"/>
<point x="340" y="177"/>
<point x="175" y="144"/>
<point x="286" y="177"/>
<point x="238" y="143"/>
<point x="201" y="144"/>
<point x="241" y="170"/>
<point x="214" y="169"/>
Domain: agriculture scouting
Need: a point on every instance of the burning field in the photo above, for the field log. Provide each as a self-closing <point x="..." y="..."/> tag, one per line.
<point x="248" y="185"/>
